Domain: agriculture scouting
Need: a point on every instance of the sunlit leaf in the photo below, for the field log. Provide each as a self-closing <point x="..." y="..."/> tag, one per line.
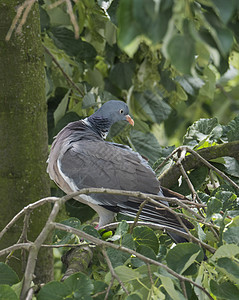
<point x="7" y="293"/>
<point x="230" y="250"/>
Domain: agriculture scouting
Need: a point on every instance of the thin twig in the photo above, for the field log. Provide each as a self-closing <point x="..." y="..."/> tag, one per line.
<point x="224" y="148"/>
<point x="148" y="224"/>
<point x="182" y="283"/>
<point x="109" y="288"/>
<point x="70" y="81"/>
<point x="150" y="274"/>
<point x="22" y="239"/>
<point x="55" y="4"/>
<point x="73" y="18"/>
<point x="99" y="293"/>
<point x="108" y="191"/>
<point x="205" y="162"/>
<point x="102" y="243"/>
<point x="34" y="249"/>
<point x="20" y="10"/>
<point x="29" y="4"/>
<point x="15" y="247"/>
<point x="138" y="215"/>
<point x="27" y="208"/>
<point x="30" y="294"/>
<point x="112" y="271"/>
<point x="165" y="160"/>
<point x="189" y="183"/>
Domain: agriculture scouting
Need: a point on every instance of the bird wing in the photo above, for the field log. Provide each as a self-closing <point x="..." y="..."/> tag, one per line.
<point x="90" y="163"/>
<point x="100" y="164"/>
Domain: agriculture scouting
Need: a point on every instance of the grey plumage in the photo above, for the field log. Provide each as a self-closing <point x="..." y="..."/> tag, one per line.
<point x="81" y="158"/>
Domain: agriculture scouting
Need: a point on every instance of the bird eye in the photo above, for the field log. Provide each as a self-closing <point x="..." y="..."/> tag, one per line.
<point x="121" y="111"/>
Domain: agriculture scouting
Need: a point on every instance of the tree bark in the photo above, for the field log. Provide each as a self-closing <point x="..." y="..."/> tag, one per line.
<point x="23" y="131"/>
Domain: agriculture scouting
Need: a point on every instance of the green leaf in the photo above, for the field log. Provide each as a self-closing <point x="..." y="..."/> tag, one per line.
<point x="150" y="107"/>
<point x="58" y="17"/>
<point x="53" y="290"/>
<point x="61" y="108"/>
<point x="152" y="19"/>
<point x="66" y="119"/>
<point x="44" y="19"/>
<point x="181" y="51"/>
<point x="225" y="40"/>
<point x="7" y="275"/>
<point x="121" y="75"/>
<point x="230" y="250"/>
<point x="190" y="84"/>
<point x="88" y="100"/>
<point x="214" y="205"/>
<point x="117" y="257"/>
<point x="197" y="177"/>
<point x="224" y="9"/>
<point x="127" y="241"/>
<point x="199" y="131"/>
<point x="127" y="27"/>
<point x="63" y="237"/>
<point x="64" y="39"/>
<point x="227" y="198"/>
<point x="77" y="285"/>
<point x="79" y="210"/>
<point x="225" y="290"/>
<point x="146" y="251"/>
<point x="99" y="286"/>
<point x="133" y="297"/>
<point x="182" y="256"/>
<point x="145" y="236"/>
<point x="121" y="230"/>
<point x="170" y="288"/>
<point x="230" y="268"/>
<point x="80" y="285"/>
<point x="232" y="130"/>
<point x="126" y="274"/>
<point x="90" y="230"/>
<point x="7" y="293"/>
<point x="146" y="144"/>
<point x="231" y="236"/>
<point x="208" y="89"/>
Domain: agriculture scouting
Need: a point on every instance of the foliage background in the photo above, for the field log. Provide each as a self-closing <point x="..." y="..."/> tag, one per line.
<point x="176" y="64"/>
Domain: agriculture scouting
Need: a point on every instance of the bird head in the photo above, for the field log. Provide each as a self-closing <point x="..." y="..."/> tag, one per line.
<point x="110" y="112"/>
<point x="114" y="111"/>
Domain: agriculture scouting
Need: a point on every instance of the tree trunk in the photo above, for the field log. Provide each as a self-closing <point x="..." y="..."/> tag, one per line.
<point x="23" y="131"/>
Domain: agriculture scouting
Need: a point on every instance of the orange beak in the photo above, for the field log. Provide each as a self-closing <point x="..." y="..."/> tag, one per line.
<point x="130" y="120"/>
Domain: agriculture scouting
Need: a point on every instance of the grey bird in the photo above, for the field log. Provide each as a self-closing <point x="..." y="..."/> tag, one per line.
<point x="81" y="158"/>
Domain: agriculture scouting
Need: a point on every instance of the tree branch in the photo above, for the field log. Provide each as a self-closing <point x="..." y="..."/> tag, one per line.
<point x="162" y="227"/>
<point x="77" y="260"/>
<point x="15" y="247"/>
<point x="70" y="81"/>
<point x="25" y="211"/>
<point x="199" y="158"/>
<point x="124" y="249"/>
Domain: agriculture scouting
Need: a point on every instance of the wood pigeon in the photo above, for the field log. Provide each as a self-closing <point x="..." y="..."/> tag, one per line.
<point x="81" y="158"/>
